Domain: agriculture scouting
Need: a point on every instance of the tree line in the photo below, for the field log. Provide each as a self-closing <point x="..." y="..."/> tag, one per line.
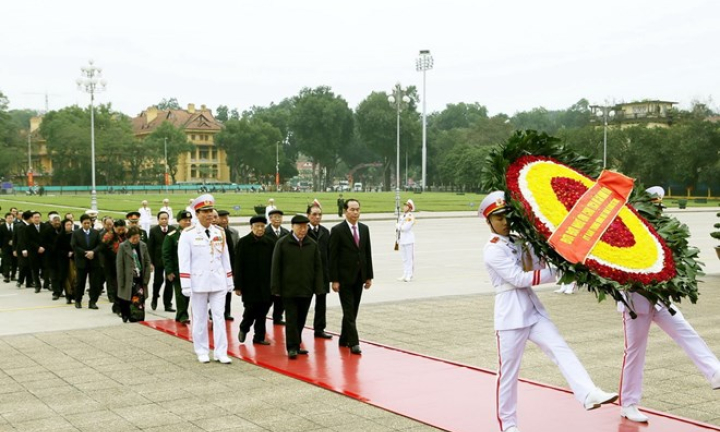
<point x="336" y="140"/>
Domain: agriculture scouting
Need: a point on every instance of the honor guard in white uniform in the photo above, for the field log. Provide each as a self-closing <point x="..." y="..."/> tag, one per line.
<point x="167" y="209"/>
<point x="519" y="317"/>
<point x="146" y="217"/>
<point x="406" y="240"/>
<point x="637" y="331"/>
<point x="206" y="277"/>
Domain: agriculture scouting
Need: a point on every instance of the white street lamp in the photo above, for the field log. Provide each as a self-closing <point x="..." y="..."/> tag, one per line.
<point x="424" y="63"/>
<point x="398" y="99"/>
<point x="91" y="82"/>
<point x="604" y="112"/>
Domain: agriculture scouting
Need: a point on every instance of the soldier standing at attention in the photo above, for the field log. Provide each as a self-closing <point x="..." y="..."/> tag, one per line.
<point x="206" y="277"/>
<point x="519" y="317"/>
<point x="170" y="259"/>
<point x="406" y="240"/>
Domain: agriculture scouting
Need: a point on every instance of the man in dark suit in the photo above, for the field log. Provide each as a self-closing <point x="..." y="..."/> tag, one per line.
<point x="86" y="246"/>
<point x="351" y="269"/>
<point x="155" y="244"/>
<point x="321" y="235"/>
<point x="274" y="231"/>
<point x="30" y="247"/>
<point x="9" y="261"/>
<point x="50" y="232"/>
<point x="23" y="265"/>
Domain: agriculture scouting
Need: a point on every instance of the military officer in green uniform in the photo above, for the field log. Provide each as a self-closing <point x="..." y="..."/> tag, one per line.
<point x="172" y="269"/>
<point x="133" y="219"/>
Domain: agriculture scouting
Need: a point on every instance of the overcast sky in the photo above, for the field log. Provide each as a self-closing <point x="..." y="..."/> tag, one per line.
<point x="507" y="55"/>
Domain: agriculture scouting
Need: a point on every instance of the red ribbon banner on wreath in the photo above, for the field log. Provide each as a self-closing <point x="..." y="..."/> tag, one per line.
<point x="591" y="216"/>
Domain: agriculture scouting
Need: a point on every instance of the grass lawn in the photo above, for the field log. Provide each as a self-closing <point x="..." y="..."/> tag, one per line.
<point x="289" y="202"/>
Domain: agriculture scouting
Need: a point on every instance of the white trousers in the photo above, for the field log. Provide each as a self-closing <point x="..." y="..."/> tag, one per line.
<point x="636" y="339"/>
<point x="511" y="346"/>
<point x="199" y="303"/>
<point x="407" y="252"/>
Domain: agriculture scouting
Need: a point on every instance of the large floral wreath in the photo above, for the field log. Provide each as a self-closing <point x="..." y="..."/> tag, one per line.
<point x="642" y="250"/>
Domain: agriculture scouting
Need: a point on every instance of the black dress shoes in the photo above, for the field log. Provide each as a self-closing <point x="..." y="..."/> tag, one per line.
<point x="279" y="322"/>
<point x="292" y="354"/>
<point x="302" y="351"/>
<point x="241" y="336"/>
<point x="37" y="290"/>
<point x="78" y="305"/>
<point x="343" y="344"/>
<point x="261" y="342"/>
<point x="56" y="297"/>
<point x="68" y="300"/>
<point x="6" y="280"/>
<point x="92" y="306"/>
<point x="323" y="335"/>
<point x="153" y="304"/>
<point x="355" y="349"/>
<point x="229" y="318"/>
<point x="170" y="309"/>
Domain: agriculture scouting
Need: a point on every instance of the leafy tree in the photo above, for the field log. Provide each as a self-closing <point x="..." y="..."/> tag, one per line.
<point x="177" y="144"/>
<point x="250" y="146"/>
<point x="167" y="104"/>
<point x="67" y="132"/>
<point x="321" y="124"/>
<point x="9" y="140"/>
<point x="456" y="116"/>
<point x="377" y="126"/>
<point x="221" y="113"/>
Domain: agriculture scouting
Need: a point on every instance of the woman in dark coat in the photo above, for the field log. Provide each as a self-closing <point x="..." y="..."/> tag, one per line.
<point x="111" y="242"/>
<point x="133" y="273"/>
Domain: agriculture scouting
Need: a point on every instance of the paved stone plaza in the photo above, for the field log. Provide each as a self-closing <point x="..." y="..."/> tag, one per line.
<point x="67" y="369"/>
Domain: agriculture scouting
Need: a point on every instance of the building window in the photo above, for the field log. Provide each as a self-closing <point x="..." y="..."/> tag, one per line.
<point x="193" y="171"/>
<point x="192" y="137"/>
<point x="203" y="153"/>
<point x="214" y="171"/>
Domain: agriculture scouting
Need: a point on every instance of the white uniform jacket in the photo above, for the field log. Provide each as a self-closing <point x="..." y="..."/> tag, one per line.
<point x="146" y="215"/>
<point x="404" y="226"/>
<point x="204" y="262"/>
<point x="516" y="304"/>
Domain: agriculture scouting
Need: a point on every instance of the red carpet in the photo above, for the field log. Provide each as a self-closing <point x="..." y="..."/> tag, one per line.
<point x="443" y="394"/>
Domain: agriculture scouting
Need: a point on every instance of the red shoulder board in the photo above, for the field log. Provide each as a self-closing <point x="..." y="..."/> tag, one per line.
<point x="495" y="240"/>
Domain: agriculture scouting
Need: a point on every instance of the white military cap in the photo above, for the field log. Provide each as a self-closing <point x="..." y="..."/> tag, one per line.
<point x="657" y="192"/>
<point x="203" y="202"/>
<point x="410" y="204"/>
<point x="494" y="202"/>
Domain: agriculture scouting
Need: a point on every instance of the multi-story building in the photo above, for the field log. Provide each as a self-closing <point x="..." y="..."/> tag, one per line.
<point x="650" y="113"/>
<point x="207" y="163"/>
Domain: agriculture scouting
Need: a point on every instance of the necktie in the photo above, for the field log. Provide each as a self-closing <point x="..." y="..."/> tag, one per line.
<point x="317" y="229"/>
<point x="37" y="227"/>
<point x="277" y="233"/>
<point x="164" y="229"/>
<point x="87" y="238"/>
<point x="356" y="236"/>
<point x="207" y="233"/>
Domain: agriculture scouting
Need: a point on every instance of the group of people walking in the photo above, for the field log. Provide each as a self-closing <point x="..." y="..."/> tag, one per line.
<point x="274" y="267"/>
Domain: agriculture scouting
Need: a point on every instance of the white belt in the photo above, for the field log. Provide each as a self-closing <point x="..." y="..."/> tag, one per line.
<point x="505" y="287"/>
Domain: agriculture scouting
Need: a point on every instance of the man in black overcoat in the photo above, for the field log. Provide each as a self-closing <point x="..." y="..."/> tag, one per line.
<point x="30" y="248"/>
<point x="351" y="269"/>
<point x="296" y="277"/>
<point x="253" y="260"/>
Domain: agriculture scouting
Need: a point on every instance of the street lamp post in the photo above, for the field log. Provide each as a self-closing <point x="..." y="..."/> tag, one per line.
<point x="398" y="98"/>
<point x="91" y="82"/>
<point x="604" y="112"/>
<point x="424" y="63"/>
